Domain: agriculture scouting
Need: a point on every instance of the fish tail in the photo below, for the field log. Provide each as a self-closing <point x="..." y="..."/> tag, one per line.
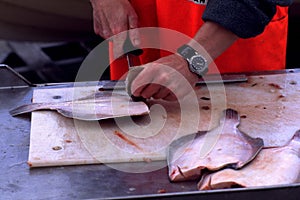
<point x="26" y="109"/>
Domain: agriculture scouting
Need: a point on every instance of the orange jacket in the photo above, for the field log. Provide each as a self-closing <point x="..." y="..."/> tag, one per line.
<point x="267" y="51"/>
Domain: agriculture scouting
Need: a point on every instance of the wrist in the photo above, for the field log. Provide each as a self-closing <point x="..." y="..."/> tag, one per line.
<point x="197" y="63"/>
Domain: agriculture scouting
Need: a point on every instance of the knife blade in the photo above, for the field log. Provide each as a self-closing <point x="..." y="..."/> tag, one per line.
<point x="209" y="79"/>
<point x="222" y="78"/>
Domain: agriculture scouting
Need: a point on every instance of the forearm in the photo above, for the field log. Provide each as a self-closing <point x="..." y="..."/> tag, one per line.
<point x="226" y="21"/>
<point x="214" y="39"/>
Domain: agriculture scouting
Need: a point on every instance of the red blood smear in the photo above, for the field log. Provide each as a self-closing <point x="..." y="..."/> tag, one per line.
<point x="120" y="135"/>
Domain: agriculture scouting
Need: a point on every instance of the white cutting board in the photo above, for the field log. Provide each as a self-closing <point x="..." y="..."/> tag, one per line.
<point x="269" y="106"/>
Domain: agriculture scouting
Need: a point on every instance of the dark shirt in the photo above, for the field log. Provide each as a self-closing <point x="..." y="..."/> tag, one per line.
<point x="245" y="18"/>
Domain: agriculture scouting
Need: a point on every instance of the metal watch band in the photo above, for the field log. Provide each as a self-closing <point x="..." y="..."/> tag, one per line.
<point x="186" y="51"/>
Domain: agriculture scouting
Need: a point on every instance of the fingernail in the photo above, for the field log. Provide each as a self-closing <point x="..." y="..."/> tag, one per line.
<point x="136" y="42"/>
<point x="105" y="33"/>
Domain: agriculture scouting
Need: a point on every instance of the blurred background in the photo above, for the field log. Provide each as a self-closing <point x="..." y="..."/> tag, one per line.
<point x="46" y="41"/>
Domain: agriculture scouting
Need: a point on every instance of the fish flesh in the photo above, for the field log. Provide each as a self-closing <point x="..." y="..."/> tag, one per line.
<point x="272" y="166"/>
<point x="101" y="105"/>
<point x="224" y="146"/>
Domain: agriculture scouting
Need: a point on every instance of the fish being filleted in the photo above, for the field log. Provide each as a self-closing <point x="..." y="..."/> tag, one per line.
<point x="224" y="146"/>
<point x="102" y="105"/>
<point x="272" y="166"/>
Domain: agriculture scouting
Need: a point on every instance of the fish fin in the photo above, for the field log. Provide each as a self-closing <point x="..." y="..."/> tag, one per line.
<point x="180" y="142"/>
<point x="231" y="117"/>
<point x="27" y="108"/>
<point x="231" y="114"/>
<point x="296" y="136"/>
<point x="256" y="143"/>
<point x="205" y="182"/>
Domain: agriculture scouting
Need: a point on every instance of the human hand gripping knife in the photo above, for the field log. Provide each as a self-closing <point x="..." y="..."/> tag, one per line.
<point x="131" y="54"/>
<point x="203" y="78"/>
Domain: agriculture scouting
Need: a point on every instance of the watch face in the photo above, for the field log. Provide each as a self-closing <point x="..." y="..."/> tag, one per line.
<point x="198" y="63"/>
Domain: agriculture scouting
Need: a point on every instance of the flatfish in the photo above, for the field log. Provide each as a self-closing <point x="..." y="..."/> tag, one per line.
<point x="224" y="146"/>
<point x="101" y="105"/>
<point x="272" y="166"/>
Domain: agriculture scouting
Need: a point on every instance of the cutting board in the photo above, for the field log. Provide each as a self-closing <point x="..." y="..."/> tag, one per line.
<point x="269" y="107"/>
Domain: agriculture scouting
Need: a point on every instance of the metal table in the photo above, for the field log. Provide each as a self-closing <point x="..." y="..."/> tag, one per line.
<point x="18" y="181"/>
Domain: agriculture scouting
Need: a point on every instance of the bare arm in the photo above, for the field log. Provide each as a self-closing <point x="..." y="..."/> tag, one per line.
<point x="214" y="39"/>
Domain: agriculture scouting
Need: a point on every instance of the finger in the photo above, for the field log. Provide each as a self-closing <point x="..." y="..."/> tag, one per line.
<point x="118" y="26"/>
<point x="97" y="28"/>
<point x="150" y="90"/>
<point x="137" y="90"/>
<point x="97" y="25"/>
<point x="114" y="25"/>
<point x="141" y="81"/>
<point x="118" y="43"/>
<point x="170" y="97"/>
<point x="117" y="21"/>
<point x="162" y="93"/>
<point x="134" y="34"/>
<point x="105" y="29"/>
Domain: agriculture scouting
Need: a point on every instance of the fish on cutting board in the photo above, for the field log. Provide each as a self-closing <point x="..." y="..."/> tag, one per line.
<point x="272" y="166"/>
<point x="101" y="105"/>
<point x="224" y="146"/>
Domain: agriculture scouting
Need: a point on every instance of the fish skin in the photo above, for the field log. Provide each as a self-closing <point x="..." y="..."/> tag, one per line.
<point x="102" y="105"/>
<point x="272" y="166"/>
<point x="187" y="159"/>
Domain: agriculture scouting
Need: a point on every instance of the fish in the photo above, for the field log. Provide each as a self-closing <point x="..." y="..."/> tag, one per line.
<point x="224" y="146"/>
<point x="272" y="166"/>
<point x="101" y="105"/>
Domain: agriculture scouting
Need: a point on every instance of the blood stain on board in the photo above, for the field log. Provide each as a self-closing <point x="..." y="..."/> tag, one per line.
<point x="205" y="108"/>
<point x="160" y="191"/>
<point x="275" y="85"/>
<point x="57" y="148"/>
<point x="281" y="96"/>
<point x="29" y="164"/>
<point x="127" y="140"/>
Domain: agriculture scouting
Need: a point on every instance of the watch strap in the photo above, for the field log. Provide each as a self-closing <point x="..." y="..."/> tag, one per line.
<point x="186" y="51"/>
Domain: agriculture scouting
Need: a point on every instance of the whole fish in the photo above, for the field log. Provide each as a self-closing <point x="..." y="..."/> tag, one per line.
<point x="224" y="146"/>
<point x="272" y="166"/>
<point x="102" y="105"/>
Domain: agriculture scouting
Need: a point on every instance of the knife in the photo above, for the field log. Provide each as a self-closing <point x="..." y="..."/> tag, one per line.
<point x="132" y="52"/>
<point x="209" y="79"/>
<point x="222" y="78"/>
<point x="131" y="55"/>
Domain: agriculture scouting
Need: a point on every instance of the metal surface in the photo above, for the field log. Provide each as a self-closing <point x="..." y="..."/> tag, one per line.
<point x="17" y="181"/>
<point x="11" y="78"/>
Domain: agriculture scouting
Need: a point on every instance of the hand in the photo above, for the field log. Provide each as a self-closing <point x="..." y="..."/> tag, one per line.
<point x="167" y="78"/>
<point x="112" y="17"/>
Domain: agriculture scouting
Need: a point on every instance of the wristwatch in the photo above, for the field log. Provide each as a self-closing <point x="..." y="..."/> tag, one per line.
<point x="196" y="62"/>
